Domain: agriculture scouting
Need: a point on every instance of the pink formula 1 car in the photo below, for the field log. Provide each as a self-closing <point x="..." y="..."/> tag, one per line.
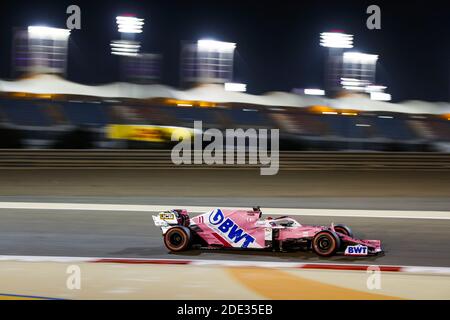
<point x="246" y="229"/>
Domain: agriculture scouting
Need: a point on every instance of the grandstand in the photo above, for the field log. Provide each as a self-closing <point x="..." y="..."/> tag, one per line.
<point x="344" y="124"/>
<point x="82" y="113"/>
<point x="24" y="113"/>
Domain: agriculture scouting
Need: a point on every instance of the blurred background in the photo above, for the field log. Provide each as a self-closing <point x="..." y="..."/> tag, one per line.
<point x="315" y="72"/>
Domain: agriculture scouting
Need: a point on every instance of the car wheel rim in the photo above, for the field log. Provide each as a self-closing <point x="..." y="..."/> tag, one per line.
<point x="175" y="239"/>
<point x="324" y="243"/>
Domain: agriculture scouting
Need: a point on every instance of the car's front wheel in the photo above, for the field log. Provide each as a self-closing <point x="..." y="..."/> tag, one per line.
<point x="325" y="243"/>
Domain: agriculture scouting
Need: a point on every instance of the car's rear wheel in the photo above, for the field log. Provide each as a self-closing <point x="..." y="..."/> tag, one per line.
<point x="325" y="243"/>
<point x="343" y="229"/>
<point x="177" y="239"/>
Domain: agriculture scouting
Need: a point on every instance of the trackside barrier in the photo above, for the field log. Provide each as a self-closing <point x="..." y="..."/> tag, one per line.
<point x="161" y="159"/>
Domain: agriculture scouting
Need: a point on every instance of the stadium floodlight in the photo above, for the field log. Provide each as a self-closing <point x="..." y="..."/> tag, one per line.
<point x="354" y="88"/>
<point x="380" y="96"/>
<point x="375" y="88"/>
<point x="213" y="45"/>
<point x="42" y="32"/>
<point x="336" y="40"/>
<point x="125" y="47"/>
<point x="358" y="57"/>
<point x="129" y="24"/>
<point x="238" y="87"/>
<point x="314" y="92"/>
<point x="352" y="82"/>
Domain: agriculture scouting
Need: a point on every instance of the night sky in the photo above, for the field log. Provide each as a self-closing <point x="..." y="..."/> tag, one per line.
<point x="277" y="41"/>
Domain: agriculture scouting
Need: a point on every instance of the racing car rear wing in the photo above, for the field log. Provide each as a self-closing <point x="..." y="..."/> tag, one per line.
<point x="171" y="218"/>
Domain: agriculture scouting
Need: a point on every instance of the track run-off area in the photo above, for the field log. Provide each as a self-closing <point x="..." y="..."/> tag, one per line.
<point x="41" y="240"/>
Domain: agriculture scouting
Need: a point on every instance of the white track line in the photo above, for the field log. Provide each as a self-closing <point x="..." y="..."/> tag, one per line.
<point x="398" y="214"/>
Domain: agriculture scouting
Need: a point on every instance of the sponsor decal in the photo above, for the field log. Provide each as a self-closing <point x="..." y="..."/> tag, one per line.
<point x="166" y="216"/>
<point x="145" y="132"/>
<point x="227" y="228"/>
<point x="358" y="250"/>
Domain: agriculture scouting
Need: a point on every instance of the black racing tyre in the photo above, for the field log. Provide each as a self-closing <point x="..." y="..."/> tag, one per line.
<point x="177" y="239"/>
<point x="326" y="243"/>
<point x="341" y="228"/>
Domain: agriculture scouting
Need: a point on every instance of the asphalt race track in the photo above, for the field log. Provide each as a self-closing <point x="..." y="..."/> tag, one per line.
<point x="90" y="233"/>
<point x="76" y="233"/>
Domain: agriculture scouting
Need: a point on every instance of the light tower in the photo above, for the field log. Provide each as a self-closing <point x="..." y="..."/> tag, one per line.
<point x="135" y="65"/>
<point x="40" y="49"/>
<point x="358" y="71"/>
<point x="207" y="61"/>
<point x="335" y="42"/>
<point x="128" y="27"/>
